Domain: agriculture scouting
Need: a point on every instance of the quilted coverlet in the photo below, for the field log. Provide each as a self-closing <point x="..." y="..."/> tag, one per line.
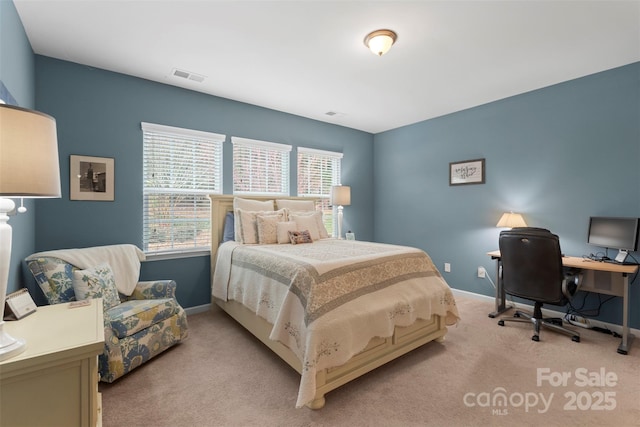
<point x="326" y="300"/>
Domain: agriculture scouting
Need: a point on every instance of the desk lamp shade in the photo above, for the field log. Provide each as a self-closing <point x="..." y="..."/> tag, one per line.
<point x="29" y="168"/>
<point x="340" y="196"/>
<point x="511" y="220"/>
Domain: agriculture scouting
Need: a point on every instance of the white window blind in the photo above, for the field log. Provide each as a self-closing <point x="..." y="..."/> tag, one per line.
<point x="318" y="171"/>
<point x="260" y="167"/>
<point x="180" y="168"/>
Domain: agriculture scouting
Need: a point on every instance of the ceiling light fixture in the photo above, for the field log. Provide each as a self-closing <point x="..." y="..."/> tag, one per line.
<point x="380" y="41"/>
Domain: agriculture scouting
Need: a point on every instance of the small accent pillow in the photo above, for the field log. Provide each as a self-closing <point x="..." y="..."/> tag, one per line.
<point x="96" y="282"/>
<point x="317" y="216"/>
<point x="298" y="237"/>
<point x="283" y="229"/>
<point x="268" y="228"/>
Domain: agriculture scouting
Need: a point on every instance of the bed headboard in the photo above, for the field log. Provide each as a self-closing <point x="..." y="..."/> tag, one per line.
<point x="223" y="203"/>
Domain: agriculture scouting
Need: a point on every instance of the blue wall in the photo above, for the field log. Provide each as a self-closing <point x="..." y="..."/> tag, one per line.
<point x="17" y="87"/>
<point x="558" y="155"/>
<point x="99" y="113"/>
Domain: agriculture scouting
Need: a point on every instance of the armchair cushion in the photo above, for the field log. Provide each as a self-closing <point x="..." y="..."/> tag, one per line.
<point x="133" y="316"/>
<point x="153" y="289"/>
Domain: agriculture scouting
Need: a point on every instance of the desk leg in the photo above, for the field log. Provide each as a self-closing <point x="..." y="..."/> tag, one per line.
<point x="627" y="338"/>
<point x="501" y="298"/>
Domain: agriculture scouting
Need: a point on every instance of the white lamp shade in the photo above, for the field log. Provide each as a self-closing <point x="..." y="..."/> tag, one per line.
<point x="511" y="220"/>
<point x="28" y="154"/>
<point x="340" y="195"/>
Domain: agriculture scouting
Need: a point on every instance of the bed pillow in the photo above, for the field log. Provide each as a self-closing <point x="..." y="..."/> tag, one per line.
<point x="298" y="237"/>
<point x="297" y="205"/>
<point x="248" y="205"/>
<point x="283" y="229"/>
<point x="228" y="234"/>
<point x="317" y="215"/>
<point x="247" y="224"/>
<point x="252" y="205"/>
<point x="268" y="227"/>
<point x="96" y="282"/>
<point x="307" y="222"/>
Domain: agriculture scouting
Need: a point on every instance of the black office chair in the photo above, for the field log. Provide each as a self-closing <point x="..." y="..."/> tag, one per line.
<point x="532" y="269"/>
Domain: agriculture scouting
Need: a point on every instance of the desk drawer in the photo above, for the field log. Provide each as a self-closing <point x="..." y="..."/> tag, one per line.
<point x="602" y="282"/>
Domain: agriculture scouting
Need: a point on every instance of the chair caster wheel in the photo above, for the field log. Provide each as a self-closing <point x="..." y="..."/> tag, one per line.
<point x="575" y="338"/>
<point x="535" y="338"/>
<point x="501" y="322"/>
<point x="516" y="314"/>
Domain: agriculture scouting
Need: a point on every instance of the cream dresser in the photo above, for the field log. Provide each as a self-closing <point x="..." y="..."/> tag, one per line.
<point x="54" y="382"/>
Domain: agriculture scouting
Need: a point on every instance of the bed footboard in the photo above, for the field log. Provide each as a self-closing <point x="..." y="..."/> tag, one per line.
<point x="378" y="352"/>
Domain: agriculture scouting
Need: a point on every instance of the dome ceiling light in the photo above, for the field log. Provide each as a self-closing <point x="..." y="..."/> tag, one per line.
<point x="380" y="41"/>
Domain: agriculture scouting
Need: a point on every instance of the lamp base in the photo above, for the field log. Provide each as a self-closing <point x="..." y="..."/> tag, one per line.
<point x="9" y="346"/>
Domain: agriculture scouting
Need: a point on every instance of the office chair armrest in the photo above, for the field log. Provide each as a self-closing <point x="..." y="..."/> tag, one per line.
<point x="571" y="282"/>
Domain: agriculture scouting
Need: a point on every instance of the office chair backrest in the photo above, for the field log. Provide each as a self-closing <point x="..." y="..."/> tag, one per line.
<point x="532" y="264"/>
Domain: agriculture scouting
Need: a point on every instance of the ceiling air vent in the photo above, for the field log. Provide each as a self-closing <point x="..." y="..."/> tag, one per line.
<point x="188" y="75"/>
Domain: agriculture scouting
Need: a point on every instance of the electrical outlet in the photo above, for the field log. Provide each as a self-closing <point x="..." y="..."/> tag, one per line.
<point x="481" y="272"/>
<point x="447" y="267"/>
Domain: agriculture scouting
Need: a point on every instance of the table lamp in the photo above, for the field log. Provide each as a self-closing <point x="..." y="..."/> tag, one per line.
<point x="340" y="196"/>
<point x="511" y="220"/>
<point x="29" y="168"/>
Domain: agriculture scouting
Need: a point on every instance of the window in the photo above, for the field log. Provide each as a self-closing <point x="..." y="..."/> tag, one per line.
<point x="260" y="167"/>
<point x="180" y="168"/>
<point x="318" y="171"/>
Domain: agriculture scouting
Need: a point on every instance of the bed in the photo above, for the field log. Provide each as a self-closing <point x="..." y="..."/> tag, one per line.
<point x="332" y="309"/>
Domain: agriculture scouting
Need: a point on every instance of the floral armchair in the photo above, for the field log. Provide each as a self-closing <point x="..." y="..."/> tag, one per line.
<point x="137" y="326"/>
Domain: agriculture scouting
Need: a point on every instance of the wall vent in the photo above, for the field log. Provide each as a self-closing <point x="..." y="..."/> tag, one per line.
<point x="188" y="75"/>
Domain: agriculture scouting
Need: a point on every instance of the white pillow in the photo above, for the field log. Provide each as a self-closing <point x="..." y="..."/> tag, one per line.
<point x="267" y="228"/>
<point x="283" y="229"/>
<point x="248" y="227"/>
<point x="96" y="282"/>
<point x="317" y="215"/>
<point x="248" y="205"/>
<point x="307" y="222"/>
<point x="297" y="205"/>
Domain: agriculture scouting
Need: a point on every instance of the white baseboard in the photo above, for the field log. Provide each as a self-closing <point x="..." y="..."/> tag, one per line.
<point x="197" y="309"/>
<point x="551" y="313"/>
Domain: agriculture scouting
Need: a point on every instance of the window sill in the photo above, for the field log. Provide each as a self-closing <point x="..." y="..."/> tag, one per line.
<point x="176" y="255"/>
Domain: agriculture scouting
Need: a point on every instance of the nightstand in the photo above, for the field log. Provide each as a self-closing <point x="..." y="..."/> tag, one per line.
<point x="55" y="380"/>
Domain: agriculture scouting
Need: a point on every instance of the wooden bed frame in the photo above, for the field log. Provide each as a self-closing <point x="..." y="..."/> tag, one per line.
<point x="378" y="352"/>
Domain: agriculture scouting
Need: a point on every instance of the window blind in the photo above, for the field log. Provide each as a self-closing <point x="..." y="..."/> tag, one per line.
<point x="180" y="168"/>
<point x="260" y="167"/>
<point x="318" y="171"/>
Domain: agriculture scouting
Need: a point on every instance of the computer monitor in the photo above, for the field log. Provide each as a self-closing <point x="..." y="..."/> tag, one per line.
<point x="614" y="233"/>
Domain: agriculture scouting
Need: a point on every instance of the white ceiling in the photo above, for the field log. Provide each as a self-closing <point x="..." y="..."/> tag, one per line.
<point x="308" y="58"/>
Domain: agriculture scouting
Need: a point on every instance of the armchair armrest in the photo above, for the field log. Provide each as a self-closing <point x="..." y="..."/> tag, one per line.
<point x="155" y="289"/>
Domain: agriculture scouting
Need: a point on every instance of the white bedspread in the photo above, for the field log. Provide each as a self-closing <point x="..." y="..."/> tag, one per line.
<point x="328" y="333"/>
<point x="123" y="259"/>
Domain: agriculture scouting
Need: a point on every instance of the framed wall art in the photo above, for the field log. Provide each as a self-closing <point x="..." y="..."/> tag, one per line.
<point x="466" y="172"/>
<point x="91" y="178"/>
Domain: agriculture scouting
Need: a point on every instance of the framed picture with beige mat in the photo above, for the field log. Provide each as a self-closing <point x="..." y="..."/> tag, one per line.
<point x="91" y="178"/>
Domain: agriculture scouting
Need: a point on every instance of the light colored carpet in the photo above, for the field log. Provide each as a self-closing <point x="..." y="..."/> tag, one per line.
<point x="223" y="376"/>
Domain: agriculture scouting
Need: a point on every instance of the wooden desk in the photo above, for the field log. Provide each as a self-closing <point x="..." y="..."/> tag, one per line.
<point x="601" y="277"/>
<point x="54" y="382"/>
